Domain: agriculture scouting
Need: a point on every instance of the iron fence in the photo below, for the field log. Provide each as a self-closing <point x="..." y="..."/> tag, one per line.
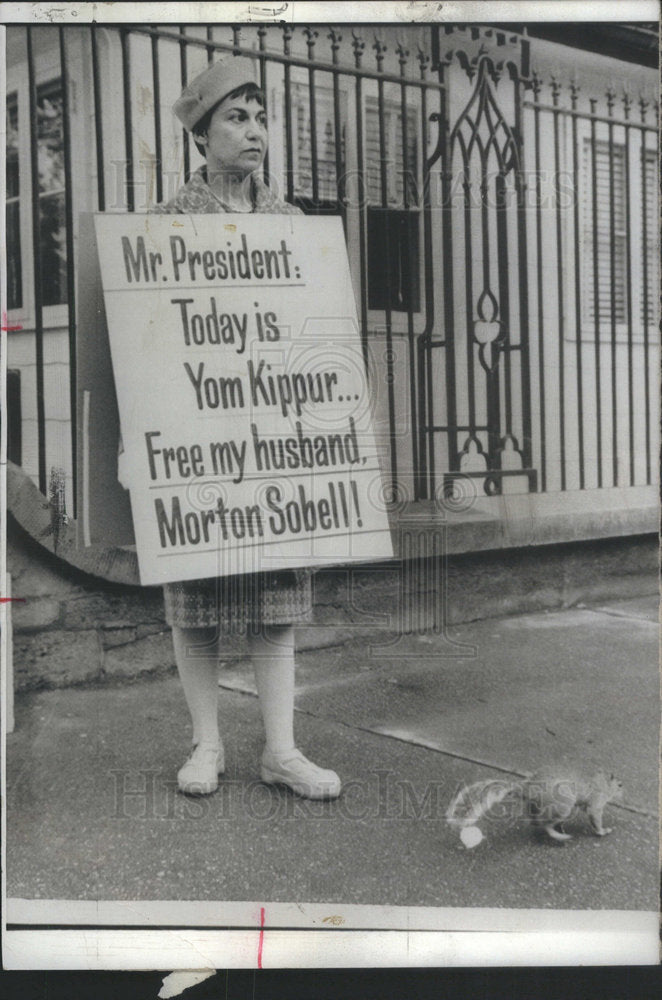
<point x="611" y="273"/>
<point x="449" y="170"/>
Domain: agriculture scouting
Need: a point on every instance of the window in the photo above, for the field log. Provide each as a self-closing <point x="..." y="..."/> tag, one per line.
<point x="302" y="152"/>
<point x="50" y="160"/>
<point x="51" y="196"/>
<point x="393" y="274"/>
<point x="397" y="173"/>
<point x="13" y="411"/>
<point x="393" y="230"/>
<point x="650" y="301"/>
<point x="14" y="275"/>
<point x="610" y="214"/>
<point x="598" y="232"/>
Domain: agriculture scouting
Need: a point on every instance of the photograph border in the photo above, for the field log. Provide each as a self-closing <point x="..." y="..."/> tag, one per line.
<point x="139" y="934"/>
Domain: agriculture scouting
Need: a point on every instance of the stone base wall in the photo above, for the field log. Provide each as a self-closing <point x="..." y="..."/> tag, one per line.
<point x="71" y="628"/>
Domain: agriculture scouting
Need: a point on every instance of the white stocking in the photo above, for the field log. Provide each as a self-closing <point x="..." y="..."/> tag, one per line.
<point x="196" y="655"/>
<point x="272" y="652"/>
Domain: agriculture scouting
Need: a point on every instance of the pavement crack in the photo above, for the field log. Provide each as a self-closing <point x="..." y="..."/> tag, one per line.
<point x="606" y="612"/>
<point x="425" y="745"/>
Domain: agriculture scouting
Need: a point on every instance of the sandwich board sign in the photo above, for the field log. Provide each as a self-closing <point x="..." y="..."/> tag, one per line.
<point x="245" y="413"/>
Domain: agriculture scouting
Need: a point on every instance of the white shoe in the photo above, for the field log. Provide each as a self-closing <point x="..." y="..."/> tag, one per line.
<point x="199" y="775"/>
<point x="299" y="774"/>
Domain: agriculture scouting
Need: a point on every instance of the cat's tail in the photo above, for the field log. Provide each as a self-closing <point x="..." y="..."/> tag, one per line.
<point x="473" y="802"/>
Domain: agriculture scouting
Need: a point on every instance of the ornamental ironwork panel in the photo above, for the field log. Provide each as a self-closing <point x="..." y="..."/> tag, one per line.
<point x="484" y="416"/>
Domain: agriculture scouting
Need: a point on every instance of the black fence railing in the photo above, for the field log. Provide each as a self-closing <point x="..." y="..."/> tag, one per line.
<point x="501" y="228"/>
<point x="603" y="273"/>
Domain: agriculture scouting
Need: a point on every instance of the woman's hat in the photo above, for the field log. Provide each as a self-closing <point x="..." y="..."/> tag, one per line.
<point x="206" y="90"/>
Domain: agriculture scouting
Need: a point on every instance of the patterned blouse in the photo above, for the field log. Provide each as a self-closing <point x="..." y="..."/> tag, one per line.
<point x="197" y="198"/>
<point x="283" y="597"/>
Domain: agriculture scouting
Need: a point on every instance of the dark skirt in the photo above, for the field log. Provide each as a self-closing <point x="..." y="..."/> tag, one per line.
<point x="278" y="598"/>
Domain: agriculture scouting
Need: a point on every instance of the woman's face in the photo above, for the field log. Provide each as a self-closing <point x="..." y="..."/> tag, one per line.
<point x="236" y="139"/>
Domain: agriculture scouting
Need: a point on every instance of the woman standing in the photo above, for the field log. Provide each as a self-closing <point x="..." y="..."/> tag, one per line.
<point x="224" y="110"/>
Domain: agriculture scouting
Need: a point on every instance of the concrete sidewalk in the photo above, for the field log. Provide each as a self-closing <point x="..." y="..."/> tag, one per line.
<point x="93" y="811"/>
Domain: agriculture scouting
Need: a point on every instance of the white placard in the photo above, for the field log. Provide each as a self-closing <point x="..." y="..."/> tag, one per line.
<point x="242" y="391"/>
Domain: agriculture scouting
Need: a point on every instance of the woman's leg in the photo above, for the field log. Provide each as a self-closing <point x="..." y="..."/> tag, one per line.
<point x="196" y="655"/>
<point x="272" y="652"/>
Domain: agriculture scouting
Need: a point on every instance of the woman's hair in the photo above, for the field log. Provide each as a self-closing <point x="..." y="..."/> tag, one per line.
<point x="250" y="91"/>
